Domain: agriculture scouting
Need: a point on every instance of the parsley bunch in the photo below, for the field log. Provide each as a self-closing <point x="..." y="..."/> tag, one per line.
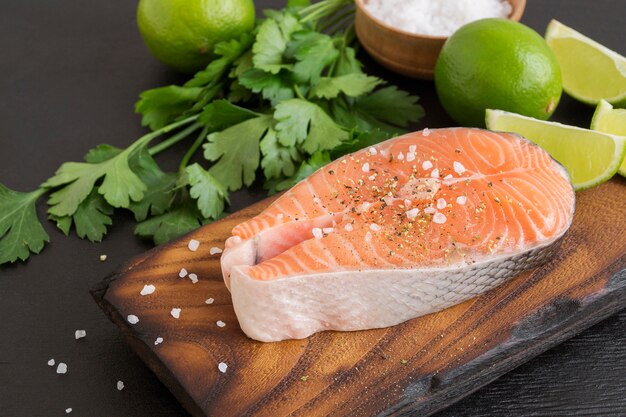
<point x="280" y="102"/>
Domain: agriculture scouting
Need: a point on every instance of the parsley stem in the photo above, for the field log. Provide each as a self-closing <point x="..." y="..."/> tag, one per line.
<point x="160" y="147"/>
<point x="298" y="92"/>
<point x="337" y="19"/>
<point x="191" y="151"/>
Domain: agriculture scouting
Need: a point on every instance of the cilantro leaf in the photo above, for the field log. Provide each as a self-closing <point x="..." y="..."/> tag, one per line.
<point x="314" y="51"/>
<point x="271" y="86"/>
<point x="182" y="219"/>
<point x="352" y="85"/>
<point x="315" y="162"/>
<point x="161" y="106"/>
<point x="220" y="114"/>
<point x="389" y="105"/>
<point x="208" y="191"/>
<point x="271" y="42"/>
<point x="278" y="160"/>
<point x="160" y="186"/>
<point x="20" y="230"/>
<point x="305" y="123"/>
<point x="236" y="151"/>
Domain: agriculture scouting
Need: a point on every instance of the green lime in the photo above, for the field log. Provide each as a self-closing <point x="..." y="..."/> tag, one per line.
<point x="591" y="72"/>
<point x="183" y="33"/>
<point x="590" y="157"/>
<point x="497" y="63"/>
<point x="609" y="120"/>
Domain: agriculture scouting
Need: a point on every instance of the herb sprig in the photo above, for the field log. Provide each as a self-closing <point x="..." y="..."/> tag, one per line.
<point x="277" y="103"/>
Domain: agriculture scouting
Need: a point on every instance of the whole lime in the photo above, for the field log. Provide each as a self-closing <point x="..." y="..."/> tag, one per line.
<point x="497" y="64"/>
<point x="183" y="33"/>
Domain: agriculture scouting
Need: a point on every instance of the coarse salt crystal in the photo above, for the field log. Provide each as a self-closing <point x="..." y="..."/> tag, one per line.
<point x="348" y="227"/>
<point x="374" y="227"/>
<point x="209" y="301"/>
<point x="193" y="278"/>
<point x="132" y="319"/>
<point x="175" y="312"/>
<point x="368" y="237"/>
<point x="182" y="273"/>
<point x="51" y="362"/>
<point x="79" y="334"/>
<point x="412" y="214"/>
<point x="220" y="323"/>
<point x="62" y="368"/>
<point x="222" y="367"/>
<point x="410" y="157"/>
<point x="317" y="233"/>
<point x="408" y="203"/>
<point x="412" y="148"/>
<point x="426" y="132"/>
<point x="371" y="177"/>
<point x="328" y="230"/>
<point x="68" y="410"/>
<point x="215" y="250"/>
<point x="372" y="150"/>
<point x="441" y="203"/>
<point x="458" y="167"/>
<point x="365" y="206"/>
<point x="158" y="341"/>
<point x="400" y="156"/>
<point x="439" y="218"/>
<point x="461" y="200"/>
<point x="366" y="167"/>
<point x="120" y="385"/>
<point x="448" y="177"/>
<point x="430" y="210"/>
<point x="193" y="245"/>
<point x="435" y="173"/>
<point x="103" y="258"/>
<point x="280" y="216"/>
<point x="147" y="289"/>
<point x="427" y="165"/>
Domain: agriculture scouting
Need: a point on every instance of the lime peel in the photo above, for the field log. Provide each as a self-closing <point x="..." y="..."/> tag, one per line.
<point x="609" y="120"/>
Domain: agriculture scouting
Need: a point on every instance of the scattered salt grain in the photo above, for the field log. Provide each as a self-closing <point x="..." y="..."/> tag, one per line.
<point x="280" y="216"/>
<point x="408" y="203"/>
<point x="175" y="313"/>
<point x="371" y="177"/>
<point x="365" y="206"/>
<point x="400" y="156"/>
<point x="209" y="301"/>
<point x="214" y="250"/>
<point x="317" y="233"/>
<point x="193" y="245"/>
<point x="412" y="214"/>
<point x="435" y="18"/>
<point x="182" y="273"/>
<point x="220" y="323"/>
<point x="327" y="230"/>
<point x="366" y="167"/>
<point x="458" y="167"/>
<point x="374" y="227"/>
<point x="132" y="319"/>
<point x="430" y="210"/>
<point x="412" y="148"/>
<point x="368" y="237"/>
<point x="103" y="258"/>
<point x="461" y="200"/>
<point x="193" y="278"/>
<point x="147" y="289"/>
<point x="79" y="334"/>
<point x="435" y="173"/>
<point x="441" y="203"/>
<point x="120" y="385"/>
<point x="222" y="367"/>
<point x="426" y="132"/>
<point x="51" y="362"/>
<point x="158" y="341"/>
<point x="348" y="227"/>
<point x="439" y="218"/>
<point x="448" y="177"/>
<point x="427" y="165"/>
<point x="68" y="410"/>
<point x="410" y="157"/>
<point x="62" y="368"/>
<point x="372" y="150"/>
<point x="316" y="200"/>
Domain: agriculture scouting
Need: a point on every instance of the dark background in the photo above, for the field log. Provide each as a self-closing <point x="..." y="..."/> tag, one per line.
<point x="70" y="72"/>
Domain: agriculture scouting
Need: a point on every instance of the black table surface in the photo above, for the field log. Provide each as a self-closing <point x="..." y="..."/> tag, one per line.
<point x="70" y="72"/>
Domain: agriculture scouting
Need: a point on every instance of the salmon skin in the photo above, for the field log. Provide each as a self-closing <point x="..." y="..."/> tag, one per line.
<point x="408" y="227"/>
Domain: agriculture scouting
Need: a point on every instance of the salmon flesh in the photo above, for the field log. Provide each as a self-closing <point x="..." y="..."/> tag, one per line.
<point x="408" y="227"/>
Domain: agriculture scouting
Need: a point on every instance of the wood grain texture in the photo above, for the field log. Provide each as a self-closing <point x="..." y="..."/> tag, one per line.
<point x="417" y="367"/>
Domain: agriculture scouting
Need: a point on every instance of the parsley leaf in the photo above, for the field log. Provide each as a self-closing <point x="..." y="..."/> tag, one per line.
<point x="20" y="230"/>
<point x="347" y="62"/>
<point x="92" y="217"/>
<point x="208" y="191"/>
<point x="359" y="141"/>
<point x="389" y="106"/>
<point x="278" y="160"/>
<point x="101" y="153"/>
<point x="161" y="106"/>
<point x="273" y="87"/>
<point x="314" y="51"/>
<point x="305" y="123"/>
<point x="236" y="151"/>
<point x="352" y="85"/>
<point x="221" y="114"/>
<point x="183" y="218"/>
<point x="271" y="41"/>
<point x="315" y="162"/>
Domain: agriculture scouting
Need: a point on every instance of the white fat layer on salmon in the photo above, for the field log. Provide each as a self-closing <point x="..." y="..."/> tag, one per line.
<point x="372" y="240"/>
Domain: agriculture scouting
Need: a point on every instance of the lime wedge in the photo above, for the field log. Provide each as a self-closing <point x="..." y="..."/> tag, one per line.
<point x="609" y="120"/>
<point x="590" y="157"/>
<point x="590" y="71"/>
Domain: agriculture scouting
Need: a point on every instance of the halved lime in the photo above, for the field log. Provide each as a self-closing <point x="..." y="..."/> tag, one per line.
<point x="590" y="157"/>
<point x="590" y="71"/>
<point x="609" y="120"/>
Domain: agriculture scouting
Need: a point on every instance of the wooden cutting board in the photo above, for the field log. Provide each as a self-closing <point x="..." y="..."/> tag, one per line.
<point x="415" y="368"/>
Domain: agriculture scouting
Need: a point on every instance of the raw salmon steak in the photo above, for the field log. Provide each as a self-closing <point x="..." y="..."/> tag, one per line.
<point x="405" y="228"/>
